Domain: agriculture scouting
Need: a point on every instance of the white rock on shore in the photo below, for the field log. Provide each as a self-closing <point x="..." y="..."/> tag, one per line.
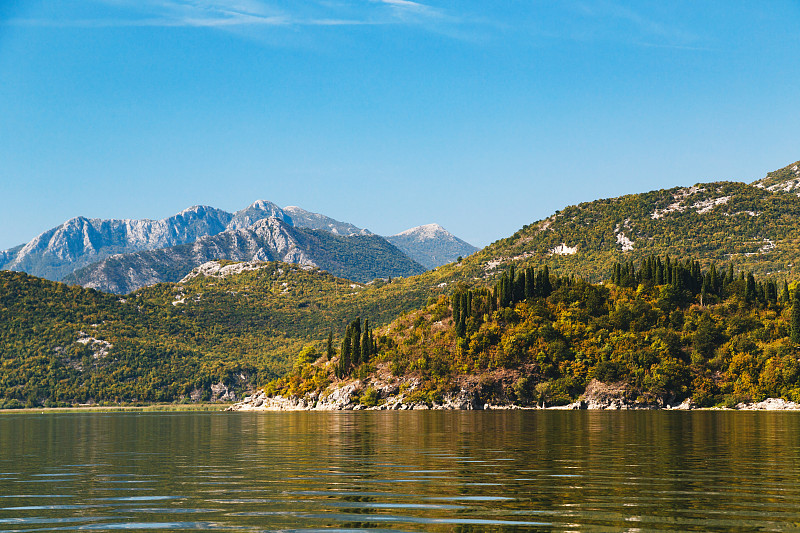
<point x="599" y="397"/>
<point x="770" y="404"/>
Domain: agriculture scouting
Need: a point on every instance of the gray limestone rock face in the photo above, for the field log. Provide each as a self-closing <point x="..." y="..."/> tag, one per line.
<point x="119" y="255"/>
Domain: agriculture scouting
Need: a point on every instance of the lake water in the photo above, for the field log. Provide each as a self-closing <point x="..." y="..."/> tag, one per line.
<point x="401" y="471"/>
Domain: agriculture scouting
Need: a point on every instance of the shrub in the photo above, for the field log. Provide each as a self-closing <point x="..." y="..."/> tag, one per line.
<point x="369" y="398"/>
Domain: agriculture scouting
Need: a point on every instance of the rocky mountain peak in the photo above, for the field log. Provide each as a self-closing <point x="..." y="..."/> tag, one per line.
<point x="258" y="210"/>
<point x="426" y="232"/>
<point x="431" y="245"/>
<point x="197" y="210"/>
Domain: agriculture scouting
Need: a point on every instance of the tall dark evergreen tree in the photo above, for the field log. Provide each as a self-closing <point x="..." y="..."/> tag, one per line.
<point x="330" y="352"/>
<point x="366" y="349"/>
<point x="461" y="325"/>
<point x="345" y="354"/>
<point x="456" y="301"/>
<point x="355" y="342"/>
<point x="750" y="293"/>
<point x="530" y="282"/>
<point x="794" y="326"/>
<point x="784" y="298"/>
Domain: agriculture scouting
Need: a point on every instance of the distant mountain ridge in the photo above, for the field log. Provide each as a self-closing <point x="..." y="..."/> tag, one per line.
<point x="306" y="219"/>
<point x="431" y="245"/>
<point x="80" y="241"/>
<point x="361" y="258"/>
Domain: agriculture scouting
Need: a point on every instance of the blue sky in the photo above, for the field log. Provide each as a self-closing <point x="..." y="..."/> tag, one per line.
<point x="481" y="116"/>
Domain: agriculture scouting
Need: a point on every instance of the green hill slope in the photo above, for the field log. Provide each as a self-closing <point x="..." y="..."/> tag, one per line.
<point x="653" y="337"/>
<point x="750" y="226"/>
<point x="173" y="341"/>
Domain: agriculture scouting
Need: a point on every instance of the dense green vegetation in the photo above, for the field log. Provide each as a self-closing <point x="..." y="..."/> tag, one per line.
<point x="173" y="341"/>
<point x="668" y="329"/>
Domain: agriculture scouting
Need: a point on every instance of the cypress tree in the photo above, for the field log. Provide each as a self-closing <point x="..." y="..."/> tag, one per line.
<point x="697" y="276"/>
<point x="529" y="282"/>
<point x="761" y="292"/>
<point x="784" y="297"/>
<point x="330" y="353"/>
<point x="344" y="359"/>
<point x="772" y="292"/>
<point x="794" y="327"/>
<point x="750" y="294"/>
<point x="668" y="271"/>
<point x="508" y="287"/>
<point x="355" y="343"/>
<point x="365" y="347"/>
<point x="547" y="287"/>
<point x="461" y="325"/>
<point x="644" y="269"/>
<point x="707" y="287"/>
<point x="456" y="300"/>
<point x="713" y="280"/>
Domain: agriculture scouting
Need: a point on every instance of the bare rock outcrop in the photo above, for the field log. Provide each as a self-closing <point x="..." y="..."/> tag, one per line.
<point x="770" y="404"/>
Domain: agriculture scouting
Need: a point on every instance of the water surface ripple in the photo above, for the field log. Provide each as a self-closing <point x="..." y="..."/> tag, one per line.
<point x="401" y="471"/>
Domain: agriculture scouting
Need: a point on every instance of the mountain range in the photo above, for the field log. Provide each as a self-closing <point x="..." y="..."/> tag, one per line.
<point x="123" y="255"/>
<point x="361" y="257"/>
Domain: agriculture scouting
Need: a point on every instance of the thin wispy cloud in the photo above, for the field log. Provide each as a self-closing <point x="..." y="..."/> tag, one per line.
<point x="582" y="21"/>
<point x="610" y="20"/>
<point x="232" y="13"/>
<point x="406" y="6"/>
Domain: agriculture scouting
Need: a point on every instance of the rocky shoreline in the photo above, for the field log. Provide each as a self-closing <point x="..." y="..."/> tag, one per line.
<point x="598" y="396"/>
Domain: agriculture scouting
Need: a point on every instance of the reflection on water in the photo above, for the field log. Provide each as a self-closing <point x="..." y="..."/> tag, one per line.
<point x="409" y="471"/>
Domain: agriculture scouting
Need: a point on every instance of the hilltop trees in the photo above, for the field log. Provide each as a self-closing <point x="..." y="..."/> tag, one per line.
<point x="357" y="347"/>
<point x="471" y="307"/>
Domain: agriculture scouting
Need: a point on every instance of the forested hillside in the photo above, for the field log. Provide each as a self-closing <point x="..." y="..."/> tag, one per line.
<point x="661" y="331"/>
<point x="62" y="344"/>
